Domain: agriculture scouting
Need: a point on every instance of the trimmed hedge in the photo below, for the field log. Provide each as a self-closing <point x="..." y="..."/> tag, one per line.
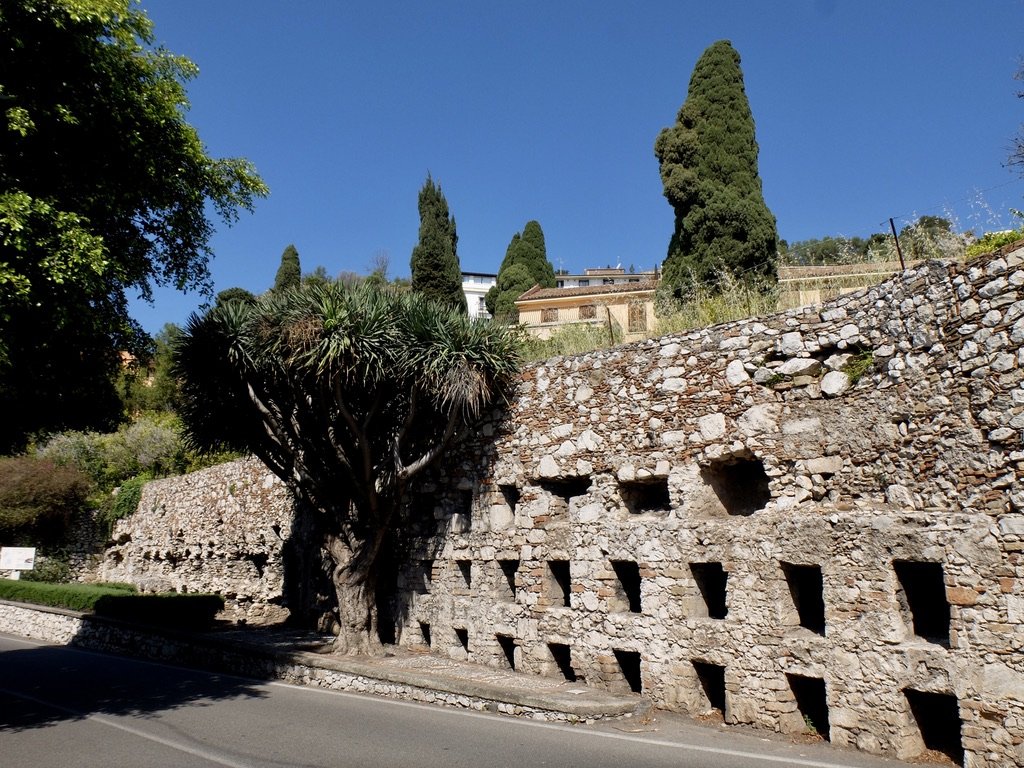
<point x="167" y="610"/>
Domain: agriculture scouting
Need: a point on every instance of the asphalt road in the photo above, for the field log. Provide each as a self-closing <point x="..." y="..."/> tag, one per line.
<point x="68" y="708"/>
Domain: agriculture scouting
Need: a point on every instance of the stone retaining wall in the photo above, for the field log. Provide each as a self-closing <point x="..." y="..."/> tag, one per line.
<point x="218" y="530"/>
<point x="814" y="519"/>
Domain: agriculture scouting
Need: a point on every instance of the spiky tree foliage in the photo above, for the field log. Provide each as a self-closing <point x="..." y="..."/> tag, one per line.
<point x="436" y="272"/>
<point x="289" y="273"/>
<point x="346" y="392"/>
<point x="708" y="162"/>
<point x="525" y="265"/>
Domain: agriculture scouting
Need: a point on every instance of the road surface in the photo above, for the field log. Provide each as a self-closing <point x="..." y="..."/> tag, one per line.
<point x="62" y="707"/>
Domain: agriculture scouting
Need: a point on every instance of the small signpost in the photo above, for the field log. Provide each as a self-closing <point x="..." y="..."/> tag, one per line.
<point x="17" y="559"/>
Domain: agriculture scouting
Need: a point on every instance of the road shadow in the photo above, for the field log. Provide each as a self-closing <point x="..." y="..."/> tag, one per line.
<point x="46" y="685"/>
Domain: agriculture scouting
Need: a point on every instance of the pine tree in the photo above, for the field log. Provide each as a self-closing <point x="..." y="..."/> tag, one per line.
<point x="708" y="163"/>
<point x="528" y="254"/>
<point x="435" y="262"/>
<point x="289" y="274"/>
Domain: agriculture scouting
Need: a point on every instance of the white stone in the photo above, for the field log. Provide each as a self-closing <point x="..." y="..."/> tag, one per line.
<point x="800" y="366"/>
<point x="548" y="467"/>
<point x="849" y="331"/>
<point x="791" y="343"/>
<point x="834" y="383"/>
<point x="824" y="465"/>
<point x="757" y="419"/>
<point x="736" y="374"/>
<point x="712" y="426"/>
<point x="583" y="394"/>
<point x="674" y="385"/>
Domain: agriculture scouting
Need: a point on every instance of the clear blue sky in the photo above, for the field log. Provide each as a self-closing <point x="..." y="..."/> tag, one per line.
<point x="865" y="109"/>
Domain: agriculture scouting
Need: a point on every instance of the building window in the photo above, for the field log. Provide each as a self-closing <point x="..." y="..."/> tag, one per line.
<point x="608" y="281"/>
<point x="584" y="283"/>
<point x="588" y="312"/>
<point x="559" y="283"/>
<point x="637" y="317"/>
<point x="549" y="315"/>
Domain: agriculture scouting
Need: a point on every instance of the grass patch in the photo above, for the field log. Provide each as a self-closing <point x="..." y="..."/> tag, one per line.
<point x="858" y="365"/>
<point x="118" y="601"/>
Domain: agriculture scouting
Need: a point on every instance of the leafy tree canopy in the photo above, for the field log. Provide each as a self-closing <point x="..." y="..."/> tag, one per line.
<point x="708" y="163"/>
<point x="436" y="272"/>
<point x="103" y="189"/>
<point x="346" y="392"/>
<point x="525" y="265"/>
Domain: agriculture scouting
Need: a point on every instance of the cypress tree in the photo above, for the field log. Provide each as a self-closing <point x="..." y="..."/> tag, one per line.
<point x="289" y="274"/>
<point x="528" y="253"/>
<point x="708" y="162"/>
<point x="435" y="262"/>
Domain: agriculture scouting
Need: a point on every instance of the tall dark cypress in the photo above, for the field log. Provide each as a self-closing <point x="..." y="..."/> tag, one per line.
<point x="435" y="262"/>
<point x="525" y="265"/>
<point x="708" y="163"/>
<point x="289" y="274"/>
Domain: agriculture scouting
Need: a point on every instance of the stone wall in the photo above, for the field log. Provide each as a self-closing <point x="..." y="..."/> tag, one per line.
<point x="218" y="530"/>
<point x="813" y="520"/>
<point x="809" y="520"/>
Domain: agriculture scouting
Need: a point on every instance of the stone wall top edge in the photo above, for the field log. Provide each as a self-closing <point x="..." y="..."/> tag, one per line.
<point x="897" y="284"/>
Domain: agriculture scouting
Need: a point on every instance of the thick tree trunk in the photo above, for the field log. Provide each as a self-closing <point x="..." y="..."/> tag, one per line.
<point x="355" y="582"/>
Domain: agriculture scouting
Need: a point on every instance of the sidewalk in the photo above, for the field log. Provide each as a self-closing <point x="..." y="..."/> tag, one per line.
<point x="499" y="690"/>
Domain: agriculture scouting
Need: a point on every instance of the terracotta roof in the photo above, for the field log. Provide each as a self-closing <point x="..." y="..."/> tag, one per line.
<point x="591" y="290"/>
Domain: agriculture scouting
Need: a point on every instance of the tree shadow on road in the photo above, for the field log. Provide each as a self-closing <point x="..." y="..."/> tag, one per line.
<point x="45" y="685"/>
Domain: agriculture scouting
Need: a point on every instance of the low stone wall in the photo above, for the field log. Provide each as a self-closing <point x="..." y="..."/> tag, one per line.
<point x="298" y="668"/>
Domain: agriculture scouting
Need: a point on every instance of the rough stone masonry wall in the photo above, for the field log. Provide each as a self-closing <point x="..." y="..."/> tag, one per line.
<point x="218" y="530"/>
<point x="730" y="518"/>
<point x="815" y="519"/>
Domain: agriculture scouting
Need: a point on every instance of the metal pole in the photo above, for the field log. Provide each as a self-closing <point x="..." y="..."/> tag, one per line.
<point x="896" y="237"/>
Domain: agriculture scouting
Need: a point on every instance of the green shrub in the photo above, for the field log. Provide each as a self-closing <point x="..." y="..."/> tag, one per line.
<point x="38" y="499"/>
<point x="122" y="502"/>
<point x="74" y="597"/>
<point x="168" y="610"/>
<point x="54" y="569"/>
<point x="993" y="241"/>
<point x="704" y="306"/>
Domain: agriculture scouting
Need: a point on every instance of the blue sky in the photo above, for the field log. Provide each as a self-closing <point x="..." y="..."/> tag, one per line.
<point x="865" y="109"/>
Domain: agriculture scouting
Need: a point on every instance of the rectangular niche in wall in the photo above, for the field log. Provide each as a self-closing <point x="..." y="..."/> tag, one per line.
<point x="740" y="484"/>
<point x="811" y="702"/>
<point x="649" y="495"/>
<point x="922" y="599"/>
<point x="507" y="579"/>
<point x="627" y="592"/>
<point x="561" y="492"/>
<point x="562" y="657"/>
<point x="425" y="577"/>
<point x="510" y="495"/>
<point x="425" y="633"/>
<point x="557" y="585"/>
<point x="508" y="649"/>
<point x="629" y="665"/>
<point x="712" y="684"/>
<point x="807" y="593"/>
<point x="462" y="635"/>
<point x="937" y="717"/>
<point x="465" y="569"/>
<point x="463" y="519"/>
<point x="711" y="581"/>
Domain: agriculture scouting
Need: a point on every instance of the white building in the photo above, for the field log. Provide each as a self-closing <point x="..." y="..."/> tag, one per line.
<point x="475" y="285"/>
<point x="603" y="276"/>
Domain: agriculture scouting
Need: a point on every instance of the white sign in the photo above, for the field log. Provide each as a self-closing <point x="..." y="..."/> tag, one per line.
<point x="17" y="558"/>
